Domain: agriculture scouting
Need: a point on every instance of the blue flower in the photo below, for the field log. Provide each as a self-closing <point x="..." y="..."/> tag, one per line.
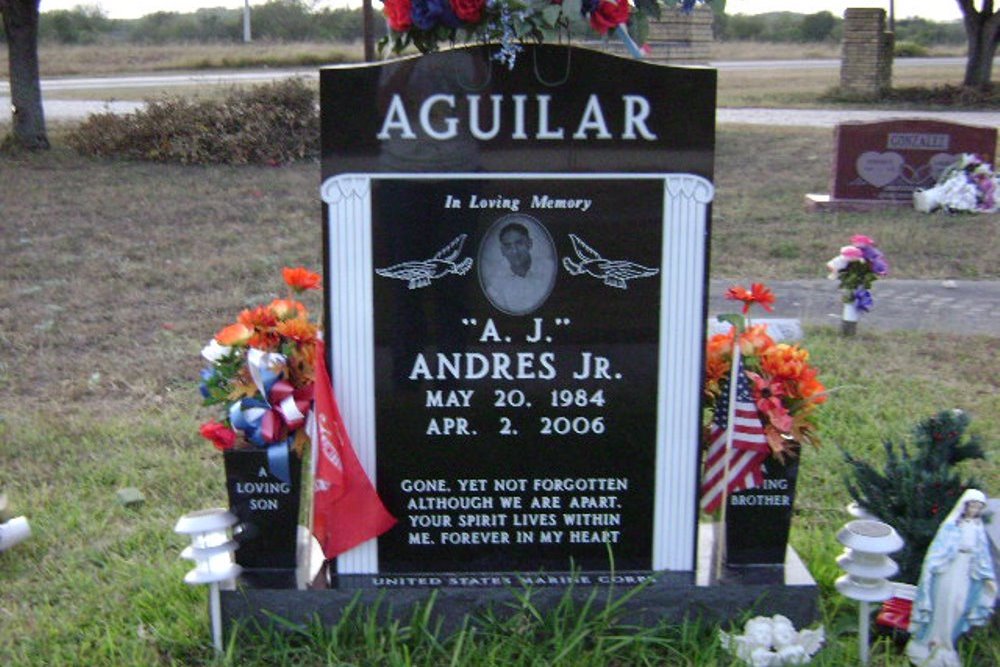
<point x="428" y="14"/>
<point x="863" y="300"/>
<point x="206" y="376"/>
<point x="587" y="6"/>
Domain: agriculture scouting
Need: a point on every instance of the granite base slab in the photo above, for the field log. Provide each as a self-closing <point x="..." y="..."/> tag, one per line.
<point x="817" y="203"/>
<point x="707" y="595"/>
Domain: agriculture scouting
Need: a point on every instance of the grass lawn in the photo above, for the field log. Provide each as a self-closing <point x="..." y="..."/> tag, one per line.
<point x="115" y="274"/>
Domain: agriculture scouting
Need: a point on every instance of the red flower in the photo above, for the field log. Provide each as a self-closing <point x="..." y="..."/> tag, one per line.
<point x="758" y="293"/>
<point x="609" y="14"/>
<point x="397" y="15"/>
<point x="767" y="395"/>
<point x="469" y="11"/>
<point x="301" y="278"/>
<point x="221" y="436"/>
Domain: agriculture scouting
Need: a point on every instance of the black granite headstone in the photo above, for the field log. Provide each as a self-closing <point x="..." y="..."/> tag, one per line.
<point x="268" y="512"/>
<point x="539" y="432"/>
<point x="516" y="271"/>
<point x="758" y="520"/>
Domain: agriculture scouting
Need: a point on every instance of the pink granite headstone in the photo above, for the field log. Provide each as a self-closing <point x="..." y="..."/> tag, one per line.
<point x="887" y="161"/>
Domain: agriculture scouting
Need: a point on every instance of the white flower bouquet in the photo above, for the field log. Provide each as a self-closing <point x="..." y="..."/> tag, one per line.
<point x="968" y="185"/>
<point x="773" y="642"/>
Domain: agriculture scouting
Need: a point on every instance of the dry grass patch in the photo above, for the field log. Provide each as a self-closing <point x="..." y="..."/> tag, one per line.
<point x="746" y="50"/>
<point x="116" y="273"/>
<point x="105" y="59"/>
<point x="760" y="228"/>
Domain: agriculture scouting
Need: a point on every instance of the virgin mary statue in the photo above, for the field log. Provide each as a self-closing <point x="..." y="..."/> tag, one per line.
<point x="957" y="585"/>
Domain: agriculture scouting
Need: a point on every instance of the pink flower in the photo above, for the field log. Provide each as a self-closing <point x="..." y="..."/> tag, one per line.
<point x="767" y="394"/>
<point x="861" y="239"/>
<point x="851" y="253"/>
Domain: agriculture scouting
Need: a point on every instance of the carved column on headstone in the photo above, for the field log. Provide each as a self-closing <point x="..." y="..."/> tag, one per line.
<point x="349" y="223"/>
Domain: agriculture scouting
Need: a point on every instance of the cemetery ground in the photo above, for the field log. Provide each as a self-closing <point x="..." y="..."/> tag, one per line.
<point x="115" y="274"/>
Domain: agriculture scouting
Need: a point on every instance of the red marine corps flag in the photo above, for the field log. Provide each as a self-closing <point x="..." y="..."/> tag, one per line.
<point x="346" y="508"/>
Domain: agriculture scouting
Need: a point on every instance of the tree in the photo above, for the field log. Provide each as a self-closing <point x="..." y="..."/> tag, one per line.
<point x="20" y="23"/>
<point x="914" y="491"/>
<point x="982" y="31"/>
<point x="817" y="27"/>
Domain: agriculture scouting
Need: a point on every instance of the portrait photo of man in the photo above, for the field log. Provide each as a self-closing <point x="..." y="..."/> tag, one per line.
<point x="517" y="264"/>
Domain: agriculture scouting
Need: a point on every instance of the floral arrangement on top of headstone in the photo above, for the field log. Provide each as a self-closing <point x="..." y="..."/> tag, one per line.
<point x="857" y="267"/>
<point x="915" y="488"/>
<point x="777" y="391"/>
<point x="261" y="371"/>
<point x="968" y="185"/>
<point x="426" y="24"/>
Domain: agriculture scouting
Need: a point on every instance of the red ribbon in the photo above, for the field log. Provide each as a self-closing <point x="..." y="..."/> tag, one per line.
<point x="280" y="420"/>
<point x="895" y="613"/>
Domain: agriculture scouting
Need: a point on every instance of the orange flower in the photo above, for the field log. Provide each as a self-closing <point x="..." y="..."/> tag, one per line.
<point x="300" y="330"/>
<point x="301" y="279"/>
<point x="284" y="309"/>
<point x="757" y="293"/>
<point x="258" y="318"/>
<point x="784" y="361"/>
<point x="755" y="340"/>
<point x="720" y="345"/>
<point x="810" y="388"/>
<point x="234" y="335"/>
<point x="718" y="357"/>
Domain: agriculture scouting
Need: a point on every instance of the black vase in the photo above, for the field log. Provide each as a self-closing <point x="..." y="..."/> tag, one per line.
<point x="758" y="520"/>
<point x="268" y="512"/>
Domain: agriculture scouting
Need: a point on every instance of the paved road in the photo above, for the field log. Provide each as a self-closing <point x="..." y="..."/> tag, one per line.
<point x="965" y="307"/>
<point x="225" y="77"/>
<point x="65" y="110"/>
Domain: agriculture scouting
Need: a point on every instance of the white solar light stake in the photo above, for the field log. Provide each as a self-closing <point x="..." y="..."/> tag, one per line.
<point x="868" y="568"/>
<point x="211" y="550"/>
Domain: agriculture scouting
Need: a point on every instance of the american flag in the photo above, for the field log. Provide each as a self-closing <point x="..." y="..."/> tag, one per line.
<point x="747" y="454"/>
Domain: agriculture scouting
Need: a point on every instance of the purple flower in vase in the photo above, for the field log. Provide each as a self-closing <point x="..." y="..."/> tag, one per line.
<point x="876" y="260"/>
<point x="428" y="14"/>
<point x="863" y="300"/>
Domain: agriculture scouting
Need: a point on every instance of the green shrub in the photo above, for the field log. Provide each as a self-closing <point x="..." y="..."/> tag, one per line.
<point x="274" y="123"/>
<point x="909" y="50"/>
<point x="915" y="491"/>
